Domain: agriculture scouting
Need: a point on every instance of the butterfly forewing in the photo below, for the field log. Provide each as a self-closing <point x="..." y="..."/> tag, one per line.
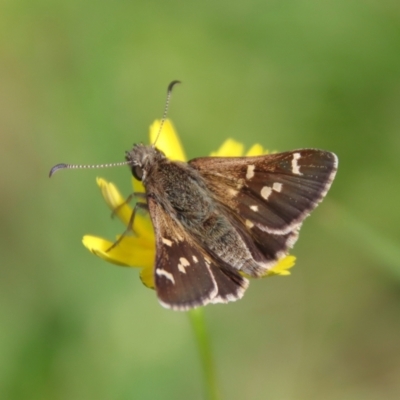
<point x="273" y="192"/>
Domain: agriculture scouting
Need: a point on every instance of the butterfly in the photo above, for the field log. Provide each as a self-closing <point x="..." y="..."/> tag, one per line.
<point x="220" y="220"/>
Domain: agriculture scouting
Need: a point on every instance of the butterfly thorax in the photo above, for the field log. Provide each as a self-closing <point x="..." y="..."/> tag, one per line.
<point x="179" y="189"/>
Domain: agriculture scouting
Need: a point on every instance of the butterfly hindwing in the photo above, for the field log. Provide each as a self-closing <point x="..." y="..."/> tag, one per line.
<point x="266" y="248"/>
<point x="185" y="275"/>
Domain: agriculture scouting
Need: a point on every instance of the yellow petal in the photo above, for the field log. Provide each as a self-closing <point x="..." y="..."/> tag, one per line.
<point x="118" y="204"/>
<point x="230" y="148"/>
<point x="137" y="185"/>
<point x="168" y="141"/>
<point x="282" y="267"/>
<point x="114" y="200"/>
<point x="130" y="252"/>
<point x="255" y="150"/>
<point x="147" y="277"/>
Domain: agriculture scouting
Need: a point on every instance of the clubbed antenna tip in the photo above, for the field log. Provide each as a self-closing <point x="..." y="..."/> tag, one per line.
<point x="56" y="168"/>
<point x="169" y="92"/>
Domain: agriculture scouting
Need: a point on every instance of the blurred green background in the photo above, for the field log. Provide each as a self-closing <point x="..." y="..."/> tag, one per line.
<point x="81" y="81"/>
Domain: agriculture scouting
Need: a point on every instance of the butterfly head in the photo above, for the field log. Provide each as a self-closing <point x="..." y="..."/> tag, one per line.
<point x="141" y="159"/>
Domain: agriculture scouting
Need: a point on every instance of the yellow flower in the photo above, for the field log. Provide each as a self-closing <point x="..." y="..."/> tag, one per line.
<point x="138" y="249"/>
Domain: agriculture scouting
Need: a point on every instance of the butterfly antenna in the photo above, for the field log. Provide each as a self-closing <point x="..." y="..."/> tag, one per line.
<point x="118" y="164"/>
<point x="169" y="92"/>
<point x="75" y="166"/>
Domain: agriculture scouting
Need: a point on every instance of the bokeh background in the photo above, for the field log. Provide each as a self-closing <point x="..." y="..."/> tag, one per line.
<point x="81" y="81"/>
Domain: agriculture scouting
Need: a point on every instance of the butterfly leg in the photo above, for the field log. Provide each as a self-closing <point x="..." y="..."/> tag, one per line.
<point x="140" y="195"/>
<point x="143" y="206"/>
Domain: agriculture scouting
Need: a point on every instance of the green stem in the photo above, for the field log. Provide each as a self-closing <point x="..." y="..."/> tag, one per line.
<point x="203" y="344"/>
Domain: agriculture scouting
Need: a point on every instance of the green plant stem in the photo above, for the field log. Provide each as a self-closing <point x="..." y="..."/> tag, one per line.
<point x="197" y="321"/>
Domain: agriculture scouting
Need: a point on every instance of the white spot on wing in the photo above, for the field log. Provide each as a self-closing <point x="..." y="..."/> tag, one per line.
<point x="195" y="259"/>
<point x="181" y="268"/>
<point x="249" y="224"/>
<point x="295" y="166"/>
<point x="266" y="192"/>
<point x="183" y="262"/>
<point x="250" y="171"/>
<point x="168" y="275"/>
<point x="167" y="242"/>
<point x="277" y="187"/>
<point x="254" y="208"/>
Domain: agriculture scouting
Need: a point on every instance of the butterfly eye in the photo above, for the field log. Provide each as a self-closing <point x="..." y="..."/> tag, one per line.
<point x="137" y="172"/>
